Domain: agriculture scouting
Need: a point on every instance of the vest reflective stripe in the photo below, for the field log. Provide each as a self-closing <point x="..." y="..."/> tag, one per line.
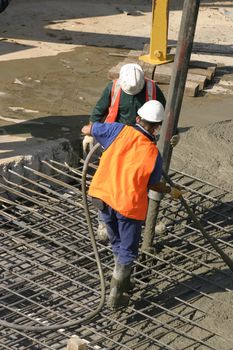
<point x="150" y="90"/>
<point x="116" y="94"/>
<point x="123" y="174"/>
<point x="115" y="101"/>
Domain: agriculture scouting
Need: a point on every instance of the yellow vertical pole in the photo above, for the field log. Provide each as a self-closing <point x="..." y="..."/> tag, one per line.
<point x="159" y="32"/>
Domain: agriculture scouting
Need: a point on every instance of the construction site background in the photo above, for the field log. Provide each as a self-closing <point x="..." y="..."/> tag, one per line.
<point x="54" y="63"/>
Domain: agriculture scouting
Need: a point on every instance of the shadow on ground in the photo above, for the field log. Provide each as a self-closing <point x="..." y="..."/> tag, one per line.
<point x="40" y="30"/>
<point x="47" y="128"/>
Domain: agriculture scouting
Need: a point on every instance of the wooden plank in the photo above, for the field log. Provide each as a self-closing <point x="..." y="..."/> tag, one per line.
<point x="163" y="74"/>
<point x="162" y="78"/>
<point x="202" y="64"/>
<point x="191" y="89"/>
<point x="118" y="54"/>
<point x="200" y="79"/>
<point x="208" y="73"/>
<point x="148" y="69"/>
<point x="209" y="66"/>
<point x="207" y="69"/>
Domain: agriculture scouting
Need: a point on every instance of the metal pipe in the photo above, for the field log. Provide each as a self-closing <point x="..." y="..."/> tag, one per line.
<point x="173" y="106"/>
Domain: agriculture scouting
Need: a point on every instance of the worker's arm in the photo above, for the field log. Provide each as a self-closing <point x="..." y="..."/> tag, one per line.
<point x="104" y="133"/>
<point x="101" y="108"/>
<point x="160" y="187"/>
<point x="157" y="185"/>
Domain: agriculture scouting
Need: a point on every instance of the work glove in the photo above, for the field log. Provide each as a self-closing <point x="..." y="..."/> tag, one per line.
<point x="88" y="144"/>
<point x="102" y="232"/>
<point x="176" y="193"/>
<point x="175" y="140"/>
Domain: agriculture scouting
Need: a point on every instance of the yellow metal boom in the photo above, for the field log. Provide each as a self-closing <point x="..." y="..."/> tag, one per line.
<point x="159" y="31"/>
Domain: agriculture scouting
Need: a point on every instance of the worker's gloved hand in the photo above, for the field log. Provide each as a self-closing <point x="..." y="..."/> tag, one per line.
<point x="176" y="192"/>
<point x="88" y="144"/>
<point x="175" y="140"/>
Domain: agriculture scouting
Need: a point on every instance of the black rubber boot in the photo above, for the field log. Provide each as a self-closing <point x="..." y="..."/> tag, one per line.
<point x="117" y="297"/>
<point x="129" y="283"/>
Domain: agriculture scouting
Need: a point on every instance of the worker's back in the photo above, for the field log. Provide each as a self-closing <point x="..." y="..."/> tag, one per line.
<point x="128" y="162"/>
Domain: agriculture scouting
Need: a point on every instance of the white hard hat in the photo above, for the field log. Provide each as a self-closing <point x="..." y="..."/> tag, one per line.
<point x="152" y="111"/>
<point x="131" y="78"/>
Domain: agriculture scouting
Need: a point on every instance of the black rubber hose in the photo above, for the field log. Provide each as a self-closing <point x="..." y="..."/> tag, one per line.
<point x="224" y="257"/>
<point x="94" y="246"/>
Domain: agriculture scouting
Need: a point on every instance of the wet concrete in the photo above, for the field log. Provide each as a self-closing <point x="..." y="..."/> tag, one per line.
<point x="58" y="93"/>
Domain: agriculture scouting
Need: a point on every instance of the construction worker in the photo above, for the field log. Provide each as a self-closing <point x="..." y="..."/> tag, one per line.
<point x="4" y="4"/>
<point x="129" y="166"/>
<point x="120" y="102"/>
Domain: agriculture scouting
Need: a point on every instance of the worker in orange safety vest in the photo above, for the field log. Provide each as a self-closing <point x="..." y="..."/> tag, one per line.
<point x="129" y="166"/>
<point x="120" y="102"/>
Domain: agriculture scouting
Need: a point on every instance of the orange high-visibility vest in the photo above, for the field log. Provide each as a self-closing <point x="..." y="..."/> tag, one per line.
<point x="122" y="176"/>
<point x="116" y="94"/>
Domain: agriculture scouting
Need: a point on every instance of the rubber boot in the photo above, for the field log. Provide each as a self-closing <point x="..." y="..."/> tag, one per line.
<point x="129" y="283"/>
<point x="117" y="297"/>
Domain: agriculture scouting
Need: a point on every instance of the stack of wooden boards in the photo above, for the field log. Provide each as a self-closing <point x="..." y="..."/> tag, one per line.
<point x="200" y="73"/>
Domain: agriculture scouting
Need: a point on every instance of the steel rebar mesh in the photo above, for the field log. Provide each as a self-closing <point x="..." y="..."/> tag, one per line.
<point x="182" y="299"/>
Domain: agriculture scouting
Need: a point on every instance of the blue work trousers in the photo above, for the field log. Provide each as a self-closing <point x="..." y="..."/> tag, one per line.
<point x="124" y="235"/>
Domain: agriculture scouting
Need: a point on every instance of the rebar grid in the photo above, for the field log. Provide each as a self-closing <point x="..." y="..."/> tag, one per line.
<point x="50" y="276"/>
